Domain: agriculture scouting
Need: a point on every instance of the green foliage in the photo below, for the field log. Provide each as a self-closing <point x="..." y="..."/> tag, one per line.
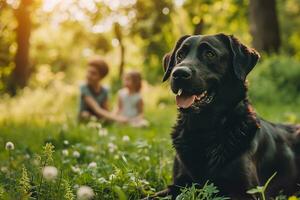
<point x="7" y="47"/>
<point x="275" y="79"/>
<point x="47" y="154"/>
<point x="24" y="183"/>
<point x="208" y="192"/>
<point x="262" y="189"/>
<point x="68" y="191"/>
<point x="63" y="39"/>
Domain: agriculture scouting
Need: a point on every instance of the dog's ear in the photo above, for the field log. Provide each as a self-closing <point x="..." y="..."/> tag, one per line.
<point x="169" y="60"/>
<point x="244" y="58"/>
<point x="166" y="60"/>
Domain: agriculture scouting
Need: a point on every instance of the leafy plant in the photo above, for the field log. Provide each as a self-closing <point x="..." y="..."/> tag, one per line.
<point x="208" y="192"/>
<point x="25" y="183"/>
<point x="261" y="189"/>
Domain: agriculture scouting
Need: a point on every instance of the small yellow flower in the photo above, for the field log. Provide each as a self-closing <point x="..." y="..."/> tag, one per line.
<point x="293" y="198"/>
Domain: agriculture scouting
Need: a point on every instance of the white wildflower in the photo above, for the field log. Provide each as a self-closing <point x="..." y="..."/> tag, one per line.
<point x="49" y="173"/>
<point x="145" y="182"/>
<point x="76" y="186"/>
<point x="102" y="132"/>
<point x="102" y="180"/>
<point x="27" y="156"/>
<point x="9" y="146"/>
<point x="66" y="142"/>
<point x="85" y="193"/>
<point x="92" y="165"/>
<point x="112" y="147"/>
<point x="112" y="176"/>
<point x="132" y="178"/>
<point x="90" y="148"/>
<point x="65" y="152"/>
<point x="113" y="138"/>
<point x="76" y="154"/>
<point x="75" y="169"/>
<point x="125" y="138"/>
<point x="4" y="169"/>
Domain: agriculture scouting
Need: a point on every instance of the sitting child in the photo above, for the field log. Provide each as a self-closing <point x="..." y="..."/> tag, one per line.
<point x="130" y="102"/>
<point x="93" y="96"/>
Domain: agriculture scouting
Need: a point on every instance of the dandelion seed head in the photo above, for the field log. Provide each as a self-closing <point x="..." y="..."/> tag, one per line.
<point x="49" y="173"/>
<point x="9" y="146"/>
<point x="85" y="193"/>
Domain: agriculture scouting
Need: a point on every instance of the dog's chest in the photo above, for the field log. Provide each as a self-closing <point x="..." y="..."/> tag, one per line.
<point x="198" y="152"/>
<point x="206" y="153"/>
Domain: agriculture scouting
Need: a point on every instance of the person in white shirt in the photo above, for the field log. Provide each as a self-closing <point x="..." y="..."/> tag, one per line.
<point x="130" y="101"/>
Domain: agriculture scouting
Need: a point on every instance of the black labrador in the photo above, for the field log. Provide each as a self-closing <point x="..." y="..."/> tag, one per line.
<point x="218" y="137"/>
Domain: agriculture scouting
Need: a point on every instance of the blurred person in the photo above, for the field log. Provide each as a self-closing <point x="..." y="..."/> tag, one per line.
<point x="130" y="101"/>
<point x="94" y="96"/>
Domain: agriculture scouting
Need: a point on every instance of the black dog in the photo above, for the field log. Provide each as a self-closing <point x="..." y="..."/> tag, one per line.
<point x="218" y="137"/>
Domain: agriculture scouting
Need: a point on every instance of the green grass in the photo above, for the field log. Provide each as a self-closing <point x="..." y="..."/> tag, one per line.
<point x="137" y="167"/>
<point x="125" y="169"/>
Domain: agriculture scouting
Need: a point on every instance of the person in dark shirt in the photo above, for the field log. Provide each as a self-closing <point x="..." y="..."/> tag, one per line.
<point x="94" y="96"/>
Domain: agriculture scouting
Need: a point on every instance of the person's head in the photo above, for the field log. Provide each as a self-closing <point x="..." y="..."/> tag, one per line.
<point x="133" y="81"/>
<point x="97" y="70"/>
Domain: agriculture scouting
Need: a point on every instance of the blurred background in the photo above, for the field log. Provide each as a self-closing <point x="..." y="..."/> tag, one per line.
<point x="45" y="44"/>
<point x="44" y="49"/>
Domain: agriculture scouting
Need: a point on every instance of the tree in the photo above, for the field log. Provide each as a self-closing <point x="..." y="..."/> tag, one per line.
<point x="119" y="36"/>
<point x="264" y="26"/>
<point x="21" y="72"/>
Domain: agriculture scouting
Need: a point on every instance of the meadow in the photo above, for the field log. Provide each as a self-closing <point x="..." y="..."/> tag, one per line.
<point x="116" y="161"/>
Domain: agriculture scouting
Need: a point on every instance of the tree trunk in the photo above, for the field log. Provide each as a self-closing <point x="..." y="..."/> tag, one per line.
<point x="119" y="36"/>
<point x="264" y="25"/>
<point x="21" y="72"/>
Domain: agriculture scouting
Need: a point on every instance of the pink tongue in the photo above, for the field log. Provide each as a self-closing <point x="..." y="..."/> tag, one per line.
<point x="185" y="101"/>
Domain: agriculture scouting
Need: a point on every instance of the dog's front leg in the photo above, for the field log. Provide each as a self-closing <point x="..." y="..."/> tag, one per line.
<point x="180" y="179"/>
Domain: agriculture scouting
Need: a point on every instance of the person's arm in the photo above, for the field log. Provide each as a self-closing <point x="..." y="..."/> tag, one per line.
<point x="140" y="107"/>
<point x="120" y="106"/>
<point x="105" y="105"/>
<point x="93" y="105"/>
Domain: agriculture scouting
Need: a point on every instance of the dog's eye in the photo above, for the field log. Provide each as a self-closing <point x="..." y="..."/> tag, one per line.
<point x="210" y="54"/>
<point x="180" y="56"/>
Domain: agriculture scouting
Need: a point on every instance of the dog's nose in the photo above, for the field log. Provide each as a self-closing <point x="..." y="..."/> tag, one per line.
<point x="183" y="73"/>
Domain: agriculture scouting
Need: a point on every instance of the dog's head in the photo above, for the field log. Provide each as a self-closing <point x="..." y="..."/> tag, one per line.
<point x="202" y="66"/>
